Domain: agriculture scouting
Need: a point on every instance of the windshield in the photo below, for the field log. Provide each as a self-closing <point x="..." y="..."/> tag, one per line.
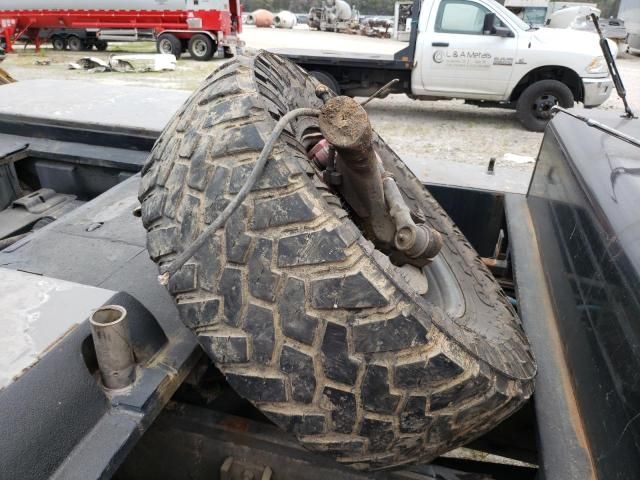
<point x="511" y="16"/>
<point x="535" y="16"/>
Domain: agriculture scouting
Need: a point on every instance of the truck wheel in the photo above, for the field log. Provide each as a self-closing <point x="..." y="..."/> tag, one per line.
<point x="305" y="318"/>
<point x="101" y="45"/>
<point x="327" y="79"/>
<point x="76" y="44"/>
<point x="58" y="42"/>
<point x="170" y="44"/>
<point x="535" y="103"/>
<point x="201" y="47"/>
<point x="228" y="52"/>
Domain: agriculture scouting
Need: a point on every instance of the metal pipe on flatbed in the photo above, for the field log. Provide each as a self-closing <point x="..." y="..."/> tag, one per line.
<point x="112" y="342"/>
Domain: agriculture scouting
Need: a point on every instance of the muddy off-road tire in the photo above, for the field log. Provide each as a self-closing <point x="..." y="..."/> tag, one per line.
<point x="304" y="317"/>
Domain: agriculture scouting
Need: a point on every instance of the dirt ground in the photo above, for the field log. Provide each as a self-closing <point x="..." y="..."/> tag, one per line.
<point x="419" y="131"/>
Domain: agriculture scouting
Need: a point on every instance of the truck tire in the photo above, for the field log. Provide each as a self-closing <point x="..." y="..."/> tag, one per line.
<point x="534" y="105"/>
<point x="58" y="42"/>
<point x="101" y="45"/>
<point x="305" y="318"/>
<point x="75" y="43"/>
<point x="201" y="47"/>
<point x="170" y="44"/>
<point x="327" y="79"/>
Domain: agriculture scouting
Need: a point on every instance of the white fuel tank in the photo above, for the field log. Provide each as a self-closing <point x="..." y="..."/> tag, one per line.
<point x="285" y="19"/>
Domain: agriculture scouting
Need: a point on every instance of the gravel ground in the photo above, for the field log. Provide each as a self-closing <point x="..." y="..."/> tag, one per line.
<point x="421" y="132"/>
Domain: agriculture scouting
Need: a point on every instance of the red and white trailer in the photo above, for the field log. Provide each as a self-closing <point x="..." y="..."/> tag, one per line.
<point x="199" y="26"/>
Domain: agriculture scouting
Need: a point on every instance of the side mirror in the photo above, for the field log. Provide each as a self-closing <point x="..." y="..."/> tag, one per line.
<point x="503" y="32"/>
<point x="488" y="27"/>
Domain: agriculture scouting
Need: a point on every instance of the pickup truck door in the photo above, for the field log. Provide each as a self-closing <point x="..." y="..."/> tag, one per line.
<point x="457" y="58"/>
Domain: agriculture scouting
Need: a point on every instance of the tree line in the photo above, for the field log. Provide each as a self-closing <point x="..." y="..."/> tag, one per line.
<point x="375" y="7"/>
<point x="366" y="7"/>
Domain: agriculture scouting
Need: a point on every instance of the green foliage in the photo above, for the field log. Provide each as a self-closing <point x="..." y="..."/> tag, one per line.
<point x="378" y="7"/>
<point x="609" y="8"/>
<point x="367" y="7"/>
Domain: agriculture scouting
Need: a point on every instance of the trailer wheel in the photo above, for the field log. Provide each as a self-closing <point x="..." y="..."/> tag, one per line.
<point x="201" y="47"/>
<point x="305" y="318"/>
<point x="58" y="42"/>
<point x="170" y="44"/>
<point x="534" y="105"/>
<point x="75" y="43"/>
<point x="101" y="45"/>
<point x="327" y="79"/>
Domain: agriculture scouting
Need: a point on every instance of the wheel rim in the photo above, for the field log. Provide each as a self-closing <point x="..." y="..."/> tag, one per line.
<point x="165" y="46"/>
<point x="200" y="47"/>
<point x="543" y="104"/>
<point x="443" y="287"/>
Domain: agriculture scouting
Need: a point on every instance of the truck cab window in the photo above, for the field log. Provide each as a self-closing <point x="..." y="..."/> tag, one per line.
<point x="460" y="16"/>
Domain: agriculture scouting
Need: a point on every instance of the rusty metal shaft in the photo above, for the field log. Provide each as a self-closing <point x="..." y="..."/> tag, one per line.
<point x="370" y="191"/>
<point x="345" y="125"/>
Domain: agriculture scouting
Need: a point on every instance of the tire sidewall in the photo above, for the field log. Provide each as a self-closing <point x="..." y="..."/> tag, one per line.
<point x="62" y="44"/>
<point x="171" y="41"/>
<point x="199" y="41"/>
<point x="373" y="271"/>
<point x="75" y="43"/>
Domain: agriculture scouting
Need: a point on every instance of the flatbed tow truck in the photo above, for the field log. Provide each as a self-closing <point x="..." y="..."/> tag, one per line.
<point x="490" y="59"/>
<point x="85" y="397"/>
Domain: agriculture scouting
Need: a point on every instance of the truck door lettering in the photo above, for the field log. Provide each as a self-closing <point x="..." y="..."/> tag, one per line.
<point x="508" y="61"/>
<point x="464" y="58"/>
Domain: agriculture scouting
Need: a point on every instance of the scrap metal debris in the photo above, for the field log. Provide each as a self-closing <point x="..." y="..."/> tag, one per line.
<point x="92" y="64"/>
<point x="127" y="63"/>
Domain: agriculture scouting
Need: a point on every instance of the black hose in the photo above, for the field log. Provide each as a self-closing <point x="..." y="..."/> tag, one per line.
<point x="167" y="271"/>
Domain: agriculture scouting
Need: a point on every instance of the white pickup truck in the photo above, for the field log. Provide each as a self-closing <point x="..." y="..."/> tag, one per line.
<point x="478" y="51"/>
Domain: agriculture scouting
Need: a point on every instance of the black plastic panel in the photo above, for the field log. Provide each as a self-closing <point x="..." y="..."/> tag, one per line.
<point x="584" y="207"/>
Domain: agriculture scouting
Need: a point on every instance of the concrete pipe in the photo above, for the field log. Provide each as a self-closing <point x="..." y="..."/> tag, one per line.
<point x="285" y="19"/>
<point x="248" y="19"/>
<point x="261" y="18"/>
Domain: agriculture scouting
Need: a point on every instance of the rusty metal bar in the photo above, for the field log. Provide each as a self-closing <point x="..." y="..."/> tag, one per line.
<point x="345" y="125"/>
